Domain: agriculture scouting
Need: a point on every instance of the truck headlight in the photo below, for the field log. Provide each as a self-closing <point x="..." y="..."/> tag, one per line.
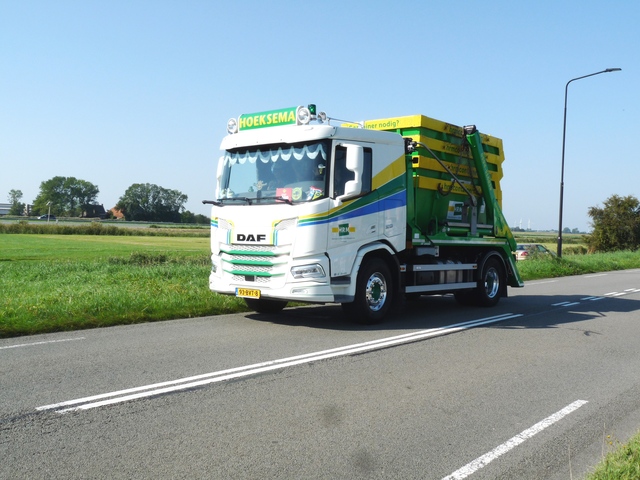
<point x="308" y="271"/>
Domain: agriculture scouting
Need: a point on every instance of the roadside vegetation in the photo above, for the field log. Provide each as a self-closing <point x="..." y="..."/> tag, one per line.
<point x="66" y="282"/>
<point x="623" y="463"/>
<point x="83" y="227"/>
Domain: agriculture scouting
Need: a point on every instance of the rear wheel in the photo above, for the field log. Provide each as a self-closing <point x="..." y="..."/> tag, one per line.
<point x="265" y="305"/>
<point x="374" y="293"/>
<point x="492" y="281"/>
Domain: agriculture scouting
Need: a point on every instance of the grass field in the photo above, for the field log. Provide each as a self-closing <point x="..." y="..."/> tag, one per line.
<point x="75" y="248"/>
<point x="67" y="282"/>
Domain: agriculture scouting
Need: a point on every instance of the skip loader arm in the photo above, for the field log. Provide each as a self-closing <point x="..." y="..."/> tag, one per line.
<point x="494" y="212"/>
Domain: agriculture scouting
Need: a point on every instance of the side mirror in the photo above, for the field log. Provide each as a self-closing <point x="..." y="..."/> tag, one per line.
<point x="355" y="164"/>
<point x="355" y="159"/>
<point x="351" y="189"/>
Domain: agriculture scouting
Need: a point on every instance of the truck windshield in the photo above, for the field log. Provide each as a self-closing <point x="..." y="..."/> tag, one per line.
<point x="288" y="173"/>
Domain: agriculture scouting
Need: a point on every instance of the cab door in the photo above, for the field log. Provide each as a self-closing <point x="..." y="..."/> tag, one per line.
<point x="354" y="213"/>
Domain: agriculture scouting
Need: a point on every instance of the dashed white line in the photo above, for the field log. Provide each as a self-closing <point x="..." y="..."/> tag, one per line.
<point x="565" y="304"/>
<point x="485" y="459"/>
<point x="609" y="295"/>
<point x="41" y="343"/>
<point x="224" y="375"/>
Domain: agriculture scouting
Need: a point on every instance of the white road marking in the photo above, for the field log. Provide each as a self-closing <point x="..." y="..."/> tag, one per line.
<point x="596" y="275"/>
<point x="614" y="294"/>
<point x="485" y="459"/>
<point x="565" y="304"/>
<point x="42" y="343"/>
<point x="224" y="375"/>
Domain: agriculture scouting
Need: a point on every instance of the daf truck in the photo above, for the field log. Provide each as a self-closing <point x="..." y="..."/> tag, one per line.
<point x="313" y="209"/>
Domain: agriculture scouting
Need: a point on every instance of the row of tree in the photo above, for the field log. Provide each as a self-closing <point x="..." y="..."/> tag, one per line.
<point x="72" y="197"/>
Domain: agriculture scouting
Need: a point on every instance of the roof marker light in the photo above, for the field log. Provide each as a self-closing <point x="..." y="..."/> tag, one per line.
<point x="232" y="126"/>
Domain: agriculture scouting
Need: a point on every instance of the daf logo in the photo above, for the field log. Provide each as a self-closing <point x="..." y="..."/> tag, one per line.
<point x="250" y="237"/>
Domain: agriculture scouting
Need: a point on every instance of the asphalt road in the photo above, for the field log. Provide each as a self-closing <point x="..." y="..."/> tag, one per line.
<point x="538" y="387"/>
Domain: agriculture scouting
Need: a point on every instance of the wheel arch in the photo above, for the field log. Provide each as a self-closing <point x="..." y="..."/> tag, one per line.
<point x="383" y="252"/>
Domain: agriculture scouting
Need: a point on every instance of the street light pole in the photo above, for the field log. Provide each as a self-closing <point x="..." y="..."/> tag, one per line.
<point x="564" y="133"/>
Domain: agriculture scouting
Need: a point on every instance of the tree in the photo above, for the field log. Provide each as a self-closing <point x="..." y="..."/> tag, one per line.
<point x="67" y="196"/>
<point x="190" y="217"/>
<point x="17" y="208"/>
<point x="616" y="226"/>
<point x="151" y="203"/>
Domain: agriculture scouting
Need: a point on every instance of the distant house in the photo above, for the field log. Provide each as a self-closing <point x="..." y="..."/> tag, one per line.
<point x="4" y="208"/>
<point x="117" y="214"/>
<point x="94" y="211"/>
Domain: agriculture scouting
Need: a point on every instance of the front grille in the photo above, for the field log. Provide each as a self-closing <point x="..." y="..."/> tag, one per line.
<point x="247" y="248"/>
<point x="253" y="258"/>
<point x="254" y="263"/>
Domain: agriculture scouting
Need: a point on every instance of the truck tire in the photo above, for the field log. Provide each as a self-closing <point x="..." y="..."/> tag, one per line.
<point x="491" y="283"/>
<point x="374" y="293"/>
<point x="265" y="305"/>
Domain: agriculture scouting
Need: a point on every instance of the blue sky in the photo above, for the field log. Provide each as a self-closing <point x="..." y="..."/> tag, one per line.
<point x="121" y="92"/>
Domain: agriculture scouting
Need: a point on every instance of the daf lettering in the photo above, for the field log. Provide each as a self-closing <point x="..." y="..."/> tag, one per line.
<point x="260" y="237"/>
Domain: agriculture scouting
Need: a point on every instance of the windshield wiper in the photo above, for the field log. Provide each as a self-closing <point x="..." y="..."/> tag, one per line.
<point x="221" y="201"/>
<point x="278" y="198"/>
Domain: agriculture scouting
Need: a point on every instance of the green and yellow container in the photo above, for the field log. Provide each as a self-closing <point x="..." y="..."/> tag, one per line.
<point x="440" y="203"/>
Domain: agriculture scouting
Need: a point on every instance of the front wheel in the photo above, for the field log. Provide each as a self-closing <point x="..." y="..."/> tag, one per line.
<point x="265" y="305"/>
<point x="374" y="293"/>
<point x="491" y="283"/>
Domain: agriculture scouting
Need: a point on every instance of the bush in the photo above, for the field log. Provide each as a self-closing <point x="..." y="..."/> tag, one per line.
<point x="616" y="226"/>
<point x="577" y="250"/>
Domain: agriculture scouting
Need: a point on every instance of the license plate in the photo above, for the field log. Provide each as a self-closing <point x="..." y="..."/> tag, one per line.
<point x="248" y="292"/>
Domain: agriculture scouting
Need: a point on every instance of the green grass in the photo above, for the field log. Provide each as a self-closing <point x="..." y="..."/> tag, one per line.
<point x="49" y="248"/>
<point x="111" y="228"/>
<point x="57" y="282"/>
<point x="551" y="266"/>
<point x="620" y="464"/>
